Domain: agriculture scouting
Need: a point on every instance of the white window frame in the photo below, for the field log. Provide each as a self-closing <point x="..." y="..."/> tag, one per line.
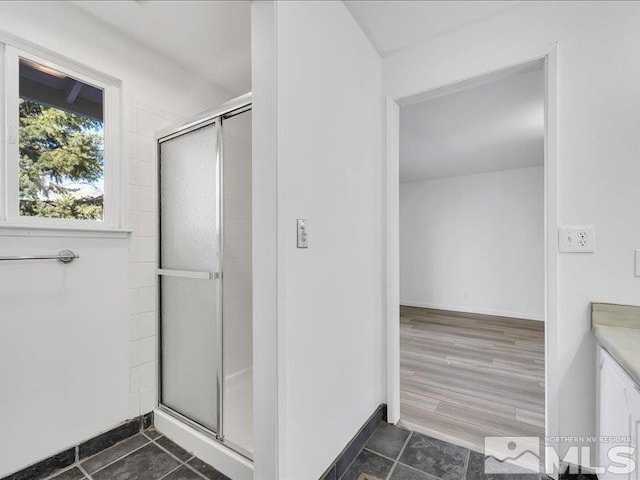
<point x="11" y="222"/>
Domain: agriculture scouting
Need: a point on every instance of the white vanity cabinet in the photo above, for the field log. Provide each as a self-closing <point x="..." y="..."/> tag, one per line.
<point x="618" y="412"/>
<point x="634" y="404"/>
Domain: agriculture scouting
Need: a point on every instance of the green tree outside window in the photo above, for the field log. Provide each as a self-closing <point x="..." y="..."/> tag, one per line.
<point x="61" y="163"/>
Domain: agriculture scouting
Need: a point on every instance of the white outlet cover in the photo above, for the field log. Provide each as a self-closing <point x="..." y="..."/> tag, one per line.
<point x="576" y="239"/>
<point x="637" y="252"/>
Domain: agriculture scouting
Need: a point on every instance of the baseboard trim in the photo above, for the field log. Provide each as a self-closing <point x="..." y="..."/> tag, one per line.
<point x="480" y="311"/>
<point x="67" y="457"/>
<point x="571" y="471"/>
<point x="359" y="440"/>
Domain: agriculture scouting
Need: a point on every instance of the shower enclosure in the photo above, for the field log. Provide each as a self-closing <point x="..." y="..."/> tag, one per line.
<point x="204" y="274"/>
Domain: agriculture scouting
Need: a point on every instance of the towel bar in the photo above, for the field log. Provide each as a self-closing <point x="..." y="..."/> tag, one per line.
<point x="63" y="256"/>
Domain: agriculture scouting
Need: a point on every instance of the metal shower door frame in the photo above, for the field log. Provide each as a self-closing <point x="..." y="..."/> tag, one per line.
<point x="207" y="118"/>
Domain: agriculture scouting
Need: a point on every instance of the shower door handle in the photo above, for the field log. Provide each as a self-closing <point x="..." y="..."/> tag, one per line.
<point x="189" y="274"/>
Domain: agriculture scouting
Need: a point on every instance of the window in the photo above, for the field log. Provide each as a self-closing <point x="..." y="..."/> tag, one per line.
<point x="61" y="166"/>
<point x="60" y="145"/>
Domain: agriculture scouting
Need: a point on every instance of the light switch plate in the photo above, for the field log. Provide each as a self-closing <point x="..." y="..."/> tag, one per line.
<point x="303" y="233"/>
<point x="576" y="238"/>
<point x="637" y="252"/>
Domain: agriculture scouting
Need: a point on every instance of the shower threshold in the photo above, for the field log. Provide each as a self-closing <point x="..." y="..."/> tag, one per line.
<point x="204" y="444"/>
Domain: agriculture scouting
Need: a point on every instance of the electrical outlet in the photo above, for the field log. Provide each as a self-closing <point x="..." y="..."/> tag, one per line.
<point x="637" y="272"/>
<point x="577" y="238"/>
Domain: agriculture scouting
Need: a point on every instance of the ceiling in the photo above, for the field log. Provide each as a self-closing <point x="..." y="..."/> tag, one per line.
<point x="393" y="25"/>
<point x="488" y="127"/>
<point x="212" y="39"/>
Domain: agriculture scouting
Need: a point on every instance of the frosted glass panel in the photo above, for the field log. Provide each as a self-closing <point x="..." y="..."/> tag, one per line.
<point x="237" y="297"/>
<point x="191" y="357"/>
<point x="189" y="360"/>
<point x="188" y="201"/>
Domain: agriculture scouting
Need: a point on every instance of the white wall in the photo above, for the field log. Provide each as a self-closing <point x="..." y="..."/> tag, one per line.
<point x="77" y="350"/>
<point x="474" y="243"/>
<point x="264" y="235"/>
<point x="328" y="119"/>
<point x="148" y="77"/>
<point x="597" y="131"/>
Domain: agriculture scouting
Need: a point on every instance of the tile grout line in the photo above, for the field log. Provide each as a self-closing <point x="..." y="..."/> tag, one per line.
<point x="185" y="463"/>
<point x="58" y="472"/>
<point x="180" y="465"/>
<point x="117" y="459"/>
<point x="404" y="445"/>
<point x="421" y="472"/>
<point x="466" y="464"/>
<point x="77" y="462"/>
<point x="378" y="454"/>
<point x="148" y="441"/>
<point x="354" y="458"/>
<point x="84" y="471"/>
<point x="196" y="471"/>
<point x="166" y="450"/>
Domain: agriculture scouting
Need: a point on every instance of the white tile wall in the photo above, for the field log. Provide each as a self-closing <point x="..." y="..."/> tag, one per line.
<point x="237" y="301"/>
<point x="141" y="123"/>
<point x="237" y="247"/>
<point x="147" y="325"/>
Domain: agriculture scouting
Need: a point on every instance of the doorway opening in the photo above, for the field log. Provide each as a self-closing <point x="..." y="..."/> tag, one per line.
<point x="472" y="264"/>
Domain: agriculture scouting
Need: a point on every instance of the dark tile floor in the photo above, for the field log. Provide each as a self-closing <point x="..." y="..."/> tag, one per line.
<point x="393" y="453"/>
<point x="145" y="456"/>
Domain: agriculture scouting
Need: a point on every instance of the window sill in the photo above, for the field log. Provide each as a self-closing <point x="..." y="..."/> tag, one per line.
<point x="20" y="230"/>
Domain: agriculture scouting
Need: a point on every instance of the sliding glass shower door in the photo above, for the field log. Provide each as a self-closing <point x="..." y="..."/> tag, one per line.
<point x="205" y="274"/>
<point x="189" y="275"/>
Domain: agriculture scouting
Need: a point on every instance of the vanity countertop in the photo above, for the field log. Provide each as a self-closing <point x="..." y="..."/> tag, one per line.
<point x="617" y="329"/>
